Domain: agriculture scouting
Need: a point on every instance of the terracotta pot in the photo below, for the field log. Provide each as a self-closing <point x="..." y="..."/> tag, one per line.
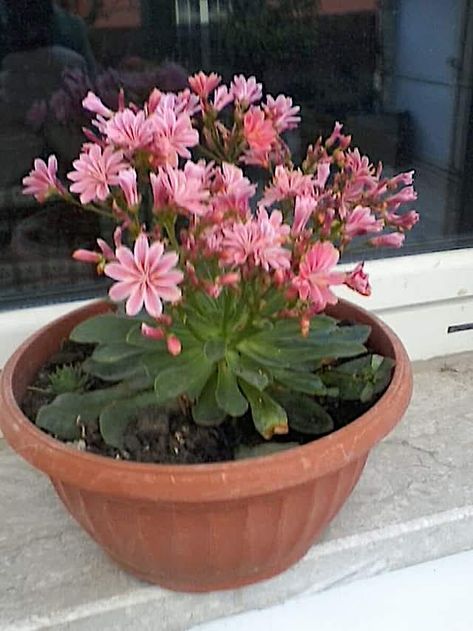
<point x="212" y="526"/>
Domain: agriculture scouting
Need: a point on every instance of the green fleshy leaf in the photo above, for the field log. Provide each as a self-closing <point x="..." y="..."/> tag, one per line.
<point x="206" y="411"/>
<point x="360" y="379"/>
<point x="115" y="417"/>
<point x="268" y="416"/>
<point x="247" y="370"/>
<point x="305" y="415"/>
<point x="187" y="374"/>
<point x="116" y="352"/>
<point x="227" y="394"/>
<point x="102" y="329"/>
<point x="61" y="416"/>
<point x="214" y="350"/>
<point x="306" y="382"/>
<point x="116" y="371"/>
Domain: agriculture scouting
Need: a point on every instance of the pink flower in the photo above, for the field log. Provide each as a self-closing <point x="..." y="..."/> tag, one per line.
<point x="303" y="209"/>
<point x="130" y="130"/>
<point x="154" y="100"/>
<point x="127" y="182"/>
<point x="233" y="189"/>
<point x="287" y="183"/>
<point x="406" y="221"/>
<point x="358" y="280"/>
<point x="269" y="252"/>
<point x="337" y="137"/>
<point x="256" y="157"/>
<point x="246" y="91"/>
<point x="160" y="189"/>
<point x="92" y="103"/>
<point x="222" y="97"/>
<point x="95" y="172"/>
<point x="323" y="173"/>
<point x="145" y="276"/>
<point x="361" y="221"/>
<point x="174" y="135"/>
<point x="257" y="242"/>
<point x="404" y="196"/>
<point x="393" y="240"/>
<point x="239" y="242"/>
<point x="282" y="112"/>
<point x="42" y="181"/>
<point x="182" y="189"/>
<point x="362" y="174"/>
<point x="403" y="179"/>
<point x="258" y="131"/>
<point x="203" y="84"/>
<point x="316" y="275"/>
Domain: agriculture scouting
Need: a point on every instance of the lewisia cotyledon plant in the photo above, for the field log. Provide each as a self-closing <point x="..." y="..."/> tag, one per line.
<point x="223" y="291"/>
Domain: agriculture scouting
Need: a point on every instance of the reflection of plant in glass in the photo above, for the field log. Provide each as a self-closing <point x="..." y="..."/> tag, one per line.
<point x="222" y="306"/>
<point x="261" y="33"/>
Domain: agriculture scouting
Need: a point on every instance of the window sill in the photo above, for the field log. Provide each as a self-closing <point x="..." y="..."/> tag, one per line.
<point x="414" y="503"/>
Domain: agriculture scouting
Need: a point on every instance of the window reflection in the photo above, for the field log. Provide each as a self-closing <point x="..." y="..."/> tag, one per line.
<point x="397" y="74"/>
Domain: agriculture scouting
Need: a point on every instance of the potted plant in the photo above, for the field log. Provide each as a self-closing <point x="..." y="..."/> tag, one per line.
<point x="157" y="415"/>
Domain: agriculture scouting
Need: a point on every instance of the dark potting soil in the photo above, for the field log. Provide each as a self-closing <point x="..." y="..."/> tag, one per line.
<point x="156" y="436"/>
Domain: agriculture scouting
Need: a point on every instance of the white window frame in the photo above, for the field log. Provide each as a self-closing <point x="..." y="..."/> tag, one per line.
<point x="419" y="296"/>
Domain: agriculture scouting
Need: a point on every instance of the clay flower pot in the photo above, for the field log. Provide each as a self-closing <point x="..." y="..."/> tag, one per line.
<point x="211" y="526"/>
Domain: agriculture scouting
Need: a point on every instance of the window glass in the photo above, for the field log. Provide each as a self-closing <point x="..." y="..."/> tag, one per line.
<point x="396" y="73"/>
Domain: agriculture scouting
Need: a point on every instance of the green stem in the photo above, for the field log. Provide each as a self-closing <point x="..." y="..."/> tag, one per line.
<point x="169" y="225"/>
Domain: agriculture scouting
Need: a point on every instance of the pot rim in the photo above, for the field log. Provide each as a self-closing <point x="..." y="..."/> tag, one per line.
<point x="213" y="481"/>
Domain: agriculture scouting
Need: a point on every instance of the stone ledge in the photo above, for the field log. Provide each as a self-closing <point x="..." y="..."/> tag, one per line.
<point x="414" y="503"/>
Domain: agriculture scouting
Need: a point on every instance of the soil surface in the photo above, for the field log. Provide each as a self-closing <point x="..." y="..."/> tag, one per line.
<point x="155" y="436"/>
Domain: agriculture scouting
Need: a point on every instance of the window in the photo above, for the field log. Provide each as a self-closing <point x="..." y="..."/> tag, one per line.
<point x="397" y="74"/>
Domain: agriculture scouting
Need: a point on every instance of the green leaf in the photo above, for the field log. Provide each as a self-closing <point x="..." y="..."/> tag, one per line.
<point x="227" y="394"/>
<point x="214" y="350"/>
<point x="115" y="417"/>
<point x="115" y="352"/>
<point x="268" y="416"/>
<point x="60" y="417"/>
<point x="305" y="415"/>
<point x="102" y="329"/>
<point x="361" y="378"/>
<point x="116" y="371"/>
<point x="206" y="411"/>
<point x="250" y="371"/>
<point x="306" y="381"/>
<point x="187" y="374"/>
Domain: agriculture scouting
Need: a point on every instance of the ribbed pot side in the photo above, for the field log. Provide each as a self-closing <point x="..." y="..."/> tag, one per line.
<point x="212" y="526"/>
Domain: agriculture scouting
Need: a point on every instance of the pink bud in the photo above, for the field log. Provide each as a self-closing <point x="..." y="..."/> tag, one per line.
<point x="174" y="345"/>
<point x="305" y="326"/>
<point x="106" y="250"/>
<point x="279" y="277"/>
<point x="86" y="256"/>
<point x="152" y="332"/>
<point x="393" y="240"/>
<point x="165" y="319"/>
<point x="233" y="278"/>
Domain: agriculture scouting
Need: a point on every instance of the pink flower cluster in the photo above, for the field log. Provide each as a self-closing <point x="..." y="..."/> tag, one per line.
<point x="197" y="224"/>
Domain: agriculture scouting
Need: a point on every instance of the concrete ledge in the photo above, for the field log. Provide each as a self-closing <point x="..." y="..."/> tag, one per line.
<point x="414" y="503"/>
